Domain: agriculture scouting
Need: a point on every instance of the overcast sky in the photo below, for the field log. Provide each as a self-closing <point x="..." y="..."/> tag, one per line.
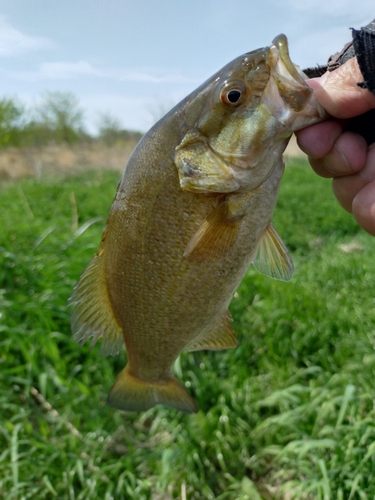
<point x="134" y="58"/>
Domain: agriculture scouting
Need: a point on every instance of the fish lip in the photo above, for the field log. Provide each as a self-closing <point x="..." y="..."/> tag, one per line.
<point x="279" y="51"/>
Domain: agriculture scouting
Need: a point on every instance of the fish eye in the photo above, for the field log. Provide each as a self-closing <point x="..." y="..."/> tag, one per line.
<point x="233" y="94"/>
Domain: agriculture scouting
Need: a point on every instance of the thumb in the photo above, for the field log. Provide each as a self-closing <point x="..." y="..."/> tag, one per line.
<point x="339" y="94"/>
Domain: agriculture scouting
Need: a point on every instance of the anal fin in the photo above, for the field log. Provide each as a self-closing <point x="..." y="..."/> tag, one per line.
<point x="272" y="258"/>
<point x="215" y="236"/>
<point x="218" y="336"/>
<point x="130" y="393"/>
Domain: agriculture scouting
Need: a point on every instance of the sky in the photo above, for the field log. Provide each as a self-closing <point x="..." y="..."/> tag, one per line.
<point x="134" y="59"/>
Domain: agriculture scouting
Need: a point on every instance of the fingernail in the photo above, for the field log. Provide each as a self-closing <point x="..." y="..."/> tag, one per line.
<point x="336" y="162"/>
<point x="304" y="151"/>
<point x="307" y="152"/>
<point x="368" y="171"/>
<point x="345" y="163"/>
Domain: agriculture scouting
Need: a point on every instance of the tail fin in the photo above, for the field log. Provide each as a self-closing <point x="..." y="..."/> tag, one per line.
<point x="133" y="394"/>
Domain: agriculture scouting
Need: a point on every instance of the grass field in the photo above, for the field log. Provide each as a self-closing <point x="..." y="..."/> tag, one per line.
<point x="288" y="414"/>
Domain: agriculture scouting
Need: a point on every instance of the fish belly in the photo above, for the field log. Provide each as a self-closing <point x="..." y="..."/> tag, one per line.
<point x="163" y="300"/>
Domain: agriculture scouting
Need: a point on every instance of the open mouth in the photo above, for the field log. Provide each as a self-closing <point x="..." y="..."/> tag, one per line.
<point x="280" y="45"/>
<point x="291" y="85"/>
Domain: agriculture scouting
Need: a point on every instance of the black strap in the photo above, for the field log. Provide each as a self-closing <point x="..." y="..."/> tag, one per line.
<point x="363" y="47"/>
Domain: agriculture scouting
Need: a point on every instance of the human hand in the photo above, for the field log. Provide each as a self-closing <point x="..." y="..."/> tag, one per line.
<point x="340" y="154"/>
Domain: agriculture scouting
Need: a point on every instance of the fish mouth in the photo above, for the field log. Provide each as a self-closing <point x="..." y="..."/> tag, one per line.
<point x="280" y="53"/>
<point x="289" y="80"/>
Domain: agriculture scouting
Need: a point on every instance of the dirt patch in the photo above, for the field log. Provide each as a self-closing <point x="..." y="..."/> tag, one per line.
<point x="36" y="162"/>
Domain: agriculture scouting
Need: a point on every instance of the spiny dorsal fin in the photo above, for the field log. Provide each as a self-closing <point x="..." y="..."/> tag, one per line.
<point x="219" y="336"/>
<point x="272" y="258"/>
<point x="92" y="314"/>
<point x="214" y="237"/>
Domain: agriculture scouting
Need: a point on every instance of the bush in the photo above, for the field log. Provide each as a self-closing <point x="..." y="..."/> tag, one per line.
<point x="11" y="117"/>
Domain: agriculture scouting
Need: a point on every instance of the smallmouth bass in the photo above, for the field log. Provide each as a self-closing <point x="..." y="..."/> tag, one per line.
<point x="192" y="211"/>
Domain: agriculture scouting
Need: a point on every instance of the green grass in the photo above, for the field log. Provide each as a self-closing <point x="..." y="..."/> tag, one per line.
<point x="288" y="414"/>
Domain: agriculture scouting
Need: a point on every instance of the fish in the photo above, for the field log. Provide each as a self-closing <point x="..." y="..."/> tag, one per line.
<point x="191" y="213"/>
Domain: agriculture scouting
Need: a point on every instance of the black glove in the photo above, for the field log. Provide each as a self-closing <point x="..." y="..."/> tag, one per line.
<point x="363" y="47"/>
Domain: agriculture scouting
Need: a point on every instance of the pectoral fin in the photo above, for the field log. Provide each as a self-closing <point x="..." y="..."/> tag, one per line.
<point x="272" y="258"/>
<point x="219" y="336"/>
<point x="200" y="169"/>
<point x="215" y="236"/>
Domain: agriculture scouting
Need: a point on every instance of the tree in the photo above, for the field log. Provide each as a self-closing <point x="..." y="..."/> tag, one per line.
<point x="111" y="132"/>
<point x="61" y="116"/>
<point x="109" y="129"/>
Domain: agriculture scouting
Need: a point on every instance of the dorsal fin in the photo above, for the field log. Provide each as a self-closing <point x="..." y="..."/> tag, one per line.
<point x="272" y="258"/>
<point x="219" y="336"/>
<point x="92" y="315"/>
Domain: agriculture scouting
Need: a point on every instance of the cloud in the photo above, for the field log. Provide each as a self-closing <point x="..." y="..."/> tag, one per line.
<point x="13" y="42"/>
<point x="71" y="70"/>
<point x="64" y="70"/>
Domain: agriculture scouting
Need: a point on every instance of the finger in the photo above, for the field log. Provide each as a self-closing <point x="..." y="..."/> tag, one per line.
<point x="348" y="188"/>
<point x="364" y="208"/>
<point x="318" y="140"/>
<point x="347" y="156"/>
<point x="364" y="202"/>
<point x="320" y="168"/>
<point x="339" y="94"/>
